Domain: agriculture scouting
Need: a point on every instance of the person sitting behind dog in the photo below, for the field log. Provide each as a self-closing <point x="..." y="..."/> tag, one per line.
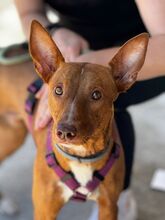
<point x="97" y="28"/>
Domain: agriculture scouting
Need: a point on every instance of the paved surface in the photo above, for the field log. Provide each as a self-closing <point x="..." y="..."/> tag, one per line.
<point x="149" y="118"/>
<point x="149" y="121"/>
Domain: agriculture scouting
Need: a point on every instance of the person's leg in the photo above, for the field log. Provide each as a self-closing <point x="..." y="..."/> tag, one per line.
<point x="140" y="92"/>
<point x="126" y="131"/>
<point x="126" y="203"/>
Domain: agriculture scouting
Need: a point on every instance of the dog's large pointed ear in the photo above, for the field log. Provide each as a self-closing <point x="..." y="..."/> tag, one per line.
<point x="126" y="64"/>
<point x="44" y="52"/>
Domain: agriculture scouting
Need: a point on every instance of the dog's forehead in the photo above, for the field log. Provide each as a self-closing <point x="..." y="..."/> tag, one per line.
<point x="84" y="72"/>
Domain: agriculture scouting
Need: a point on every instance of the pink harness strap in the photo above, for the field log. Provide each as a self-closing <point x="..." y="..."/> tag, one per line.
<point x="30" y="102"/>
<point x="69" y="179"/>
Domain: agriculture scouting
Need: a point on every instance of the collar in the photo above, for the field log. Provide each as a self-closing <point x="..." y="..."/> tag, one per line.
<point x="87" y="159"/>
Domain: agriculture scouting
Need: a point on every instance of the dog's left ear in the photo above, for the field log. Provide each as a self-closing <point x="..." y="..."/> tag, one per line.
<point x="44" y="52"/>
<point x="128" y="61"/>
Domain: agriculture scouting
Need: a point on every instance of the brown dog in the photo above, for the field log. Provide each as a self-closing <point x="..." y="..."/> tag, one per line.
<point x="81" y="97"/>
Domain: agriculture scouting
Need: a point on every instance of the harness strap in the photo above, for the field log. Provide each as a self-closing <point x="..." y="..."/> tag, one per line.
<point x="100" y="175"/>
<point x="31" y="101"/>
<point x="68" y="178"/>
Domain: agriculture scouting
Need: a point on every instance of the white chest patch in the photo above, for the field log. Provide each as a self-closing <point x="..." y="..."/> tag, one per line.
<point x="66" y="192"/>
<point x="83" y="174"/>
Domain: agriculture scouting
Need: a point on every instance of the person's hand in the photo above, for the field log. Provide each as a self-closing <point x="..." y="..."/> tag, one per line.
<point x="89" y="56"/>
<point x="101" y="57"/>
<point x="70" y="44"/>
<point x="43" y="115"/>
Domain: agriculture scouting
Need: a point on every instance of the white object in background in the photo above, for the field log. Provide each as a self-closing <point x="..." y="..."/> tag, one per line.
<point x="158" y="180"/>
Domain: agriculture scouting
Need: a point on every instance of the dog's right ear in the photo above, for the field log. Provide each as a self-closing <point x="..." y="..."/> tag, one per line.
<point x="44" y="52"/>
<point x="128" y="61"/>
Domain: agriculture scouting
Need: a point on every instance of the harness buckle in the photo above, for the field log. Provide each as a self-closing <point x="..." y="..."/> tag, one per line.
<point x="116" y="152"/>
<point x="66" y="177"/>
<point x="79" y="197"/>
<point x="98" y="176"/>
<point x="35" y="86"/>
<point x="50" y="159"/>
<point x="30" y="104"/>
<point x="84" y="191"/>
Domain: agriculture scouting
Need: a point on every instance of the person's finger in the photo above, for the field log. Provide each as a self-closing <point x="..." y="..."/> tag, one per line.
<point x="43" y="120"/>
<point x="76" y="49"/>
<point x="43" y="115"/>
<point x="85" y="50"/>
<point x="84" y="47"/>
<point x="73" y="51"/>
<point x="41" y="91"/>
<point x="39" y="115"/>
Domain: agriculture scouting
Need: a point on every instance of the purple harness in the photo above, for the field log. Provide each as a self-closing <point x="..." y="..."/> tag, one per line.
<point x="67" y="177"/>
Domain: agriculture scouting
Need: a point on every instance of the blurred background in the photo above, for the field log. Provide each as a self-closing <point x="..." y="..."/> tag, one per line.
<point x="10" y="28"/>
<point x="149" y="121"/>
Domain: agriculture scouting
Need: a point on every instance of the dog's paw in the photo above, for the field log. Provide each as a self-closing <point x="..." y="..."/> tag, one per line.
<point x="8" y="207"/>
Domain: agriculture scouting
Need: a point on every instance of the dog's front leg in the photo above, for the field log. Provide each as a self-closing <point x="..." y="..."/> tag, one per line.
<point x="107" y="209"/>
<point x="107" y="206"/>
<point x="47" y="210"/>
<point x="47" y="198"/>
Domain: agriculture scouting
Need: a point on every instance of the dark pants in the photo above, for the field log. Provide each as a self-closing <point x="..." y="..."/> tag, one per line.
<point x="140" y="92"/>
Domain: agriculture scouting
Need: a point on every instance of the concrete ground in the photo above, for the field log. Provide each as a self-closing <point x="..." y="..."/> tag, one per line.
<point x="149" y="120"/>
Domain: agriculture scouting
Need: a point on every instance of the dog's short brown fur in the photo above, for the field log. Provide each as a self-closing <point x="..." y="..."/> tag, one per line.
<point x="76" y="107"/>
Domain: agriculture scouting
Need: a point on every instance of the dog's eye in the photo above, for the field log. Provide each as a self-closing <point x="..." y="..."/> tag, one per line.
<point x="96" y="95"/>
<point x="58" y="90"/>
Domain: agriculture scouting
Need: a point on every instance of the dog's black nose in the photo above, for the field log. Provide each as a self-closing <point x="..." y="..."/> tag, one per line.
<point x="66" y="132"/>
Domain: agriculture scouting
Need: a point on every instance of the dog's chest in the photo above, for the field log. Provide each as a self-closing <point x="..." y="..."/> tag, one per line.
<point x="83" y="174"/>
